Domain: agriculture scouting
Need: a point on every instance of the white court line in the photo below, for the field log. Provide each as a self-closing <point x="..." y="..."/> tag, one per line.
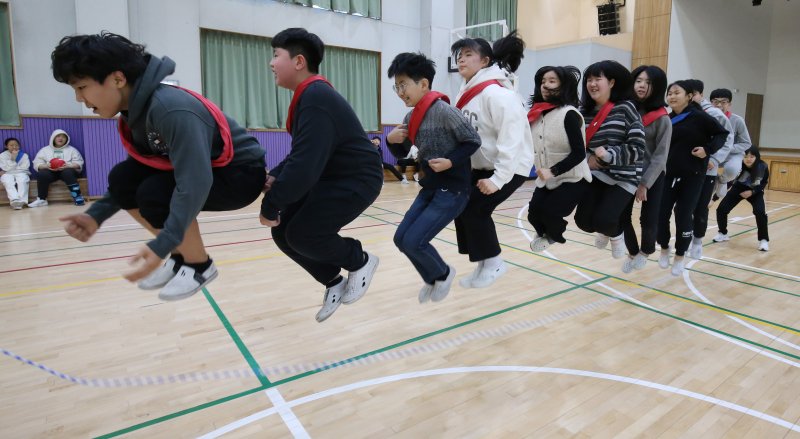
<point x="287" y="414"/>
<point x="697" y="293"/>
<point x="753" y="268"/>
<point x="638" y="302"/>
<point x="199" y="219"/>
<point x="503" y="369"/>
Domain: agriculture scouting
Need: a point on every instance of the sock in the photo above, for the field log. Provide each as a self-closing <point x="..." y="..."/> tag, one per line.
<point x="178" y="258"/>
<point x="334" y="282"/>
<point x="444" y="276"/>
<point x="199" y="267"/>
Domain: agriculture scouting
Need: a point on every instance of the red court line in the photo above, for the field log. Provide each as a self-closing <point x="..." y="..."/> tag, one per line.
<point x="39" y="267"/>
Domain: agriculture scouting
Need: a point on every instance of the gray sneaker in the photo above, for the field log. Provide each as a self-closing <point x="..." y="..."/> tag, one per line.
<point x="441" y="288"/>
<point x="466" y="281"/>
<point x="425" y="292"/>
<point x="160" y="277"/>
<point x="187" y="282"/>
<point x="17" y="204"/>
<point x="331" y="301"/>
<point x="696" y="251"/>
<point x="358" y="281"/>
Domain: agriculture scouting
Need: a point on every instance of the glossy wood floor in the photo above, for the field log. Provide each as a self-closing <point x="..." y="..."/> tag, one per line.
<point x="564" y="345"/>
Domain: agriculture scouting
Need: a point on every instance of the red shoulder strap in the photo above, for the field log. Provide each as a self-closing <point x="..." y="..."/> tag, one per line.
<point x="418" y="113"/>
<point x="475" y="91"/>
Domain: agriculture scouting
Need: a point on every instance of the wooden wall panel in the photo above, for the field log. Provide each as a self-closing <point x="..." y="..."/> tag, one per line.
<point x="651" y="33"/>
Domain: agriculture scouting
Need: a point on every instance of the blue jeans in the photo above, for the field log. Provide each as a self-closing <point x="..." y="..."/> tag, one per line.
<point x="432" y="211"/>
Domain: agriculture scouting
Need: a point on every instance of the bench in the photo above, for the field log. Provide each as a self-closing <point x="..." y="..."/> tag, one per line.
<point x="57" y="192"/>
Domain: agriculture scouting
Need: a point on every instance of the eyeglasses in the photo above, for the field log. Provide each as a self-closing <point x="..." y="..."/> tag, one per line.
<point x="720" y="101"/>
<point x="401" y="87"/>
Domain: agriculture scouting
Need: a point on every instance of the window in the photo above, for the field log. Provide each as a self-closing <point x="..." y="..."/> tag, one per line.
<point x="361" y="8"/>
<point x="487" y="11"/>
<point x="9" y="110"/>
<point x="237" y="77"/>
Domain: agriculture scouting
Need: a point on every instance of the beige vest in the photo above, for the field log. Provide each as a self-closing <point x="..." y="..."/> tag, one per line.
<point x="551" y="145"/>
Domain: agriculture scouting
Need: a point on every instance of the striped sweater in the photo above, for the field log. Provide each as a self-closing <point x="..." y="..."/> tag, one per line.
<point x="622" y="135"/>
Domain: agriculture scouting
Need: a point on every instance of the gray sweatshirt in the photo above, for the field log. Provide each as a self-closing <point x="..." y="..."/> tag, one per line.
<point x="170" y="122"/>
<point x="722" y="154"/>
<point x="657" y="137"/>
<point x="741" y="137"/>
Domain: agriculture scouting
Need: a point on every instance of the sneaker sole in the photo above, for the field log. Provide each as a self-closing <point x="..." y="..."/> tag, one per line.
<point x="348" y="298"/>
<point x="191" y="293"/>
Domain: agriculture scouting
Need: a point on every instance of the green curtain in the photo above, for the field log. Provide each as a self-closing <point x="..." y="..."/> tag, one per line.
<point x="354" y="73"/>
<point x="237" y="77"/>
<point x="364" y="8"/>
<point x="9" y="111"/>
<point x="485" y="11"/>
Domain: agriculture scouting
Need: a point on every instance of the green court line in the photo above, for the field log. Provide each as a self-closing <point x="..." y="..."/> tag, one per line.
<point x="693" y="323"/>
<point x="180" y="413"/>
<point x="573" y="287"/>
<point x="236" y="339"/>
<point x="513" y="226"/>
<point x="433" y="333"/>
<point x="268" y="385"/>
<point x="611" y="276"/>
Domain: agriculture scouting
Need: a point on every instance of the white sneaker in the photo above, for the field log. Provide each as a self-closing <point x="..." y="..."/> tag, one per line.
<point x="466" y="281"/>
<point x="618" y="247"/>
<point x="663" y="259"/>
<point x="425" y="292"/>
<point x="721" y="237"/>
<point x="38" y="202"/>
<point x="600" y="240"/>
<point x="627" y="265"/>
<point x="441" y="288"/>
<point x="696" y="251"/>
<point x="677" y="266"/>
<point x="488" y="275"/>
<point x="540" y="243"/>
<point x="187" y="282"/>
<point x="416" y="176"/>
<point x="331" y="301"/>
<point x="404" y="180"/>
<point x="639" y="261"/>
<point x="763" y="245"/>
<point x="160" y="277"/>
<point x="358" y="281"/>
<point x="17" y="204"/>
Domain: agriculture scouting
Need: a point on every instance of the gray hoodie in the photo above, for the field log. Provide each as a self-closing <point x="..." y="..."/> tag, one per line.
<point x="169" y="122"/>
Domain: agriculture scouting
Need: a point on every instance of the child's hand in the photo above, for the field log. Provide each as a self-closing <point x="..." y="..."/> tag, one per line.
<point x="698" y="151"/>
<point x="641" y="193"/>
<point x="544" y="174"/>
<point x="487" y="187"/>
<point x="269" y="223"/>
<point x="398" y="134"/>
<point x="746" y="194"/>
<point x="439" y="165"/>
<point x="601" y="153"/>
<point x="145" y="262"/>
<point x="268" y="184"/>
<point x="80" y="226"/>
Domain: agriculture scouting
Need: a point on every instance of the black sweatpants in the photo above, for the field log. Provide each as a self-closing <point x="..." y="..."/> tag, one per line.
<point x="648" y="220"/>
<point x="548" y="208"/>
<point x="601" y="208"/>
<point x="733" y="198"/>
<point x="46" y="176"/>
<point x="393" y="170"/>
<point x="309" y="229"/>
<point x="137" y="186"/>
<point x="681" y="193"/>
<point x="475" y="229"/>
<point x="701" y="211"/>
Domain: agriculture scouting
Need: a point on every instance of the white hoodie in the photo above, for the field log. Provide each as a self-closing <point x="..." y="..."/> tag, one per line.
<point x="67" y="153"/>
<point x="11" y="166"/>
<point x="499" y="116"/>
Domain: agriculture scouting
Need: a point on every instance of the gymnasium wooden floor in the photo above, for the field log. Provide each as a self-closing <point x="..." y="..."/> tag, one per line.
<point x="565" y="345"/>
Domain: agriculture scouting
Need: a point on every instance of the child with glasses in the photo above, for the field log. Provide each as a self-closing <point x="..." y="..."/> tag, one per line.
<point x="722" y="99"/>
<point x="445" y="140"/>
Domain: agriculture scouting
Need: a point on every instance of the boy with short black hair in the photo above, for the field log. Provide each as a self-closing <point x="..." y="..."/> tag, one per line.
<point x="185" y="156"/>
<point x="331" y="175"/>
<point x="445" y="140"/>
<point x="722" y="98"/>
